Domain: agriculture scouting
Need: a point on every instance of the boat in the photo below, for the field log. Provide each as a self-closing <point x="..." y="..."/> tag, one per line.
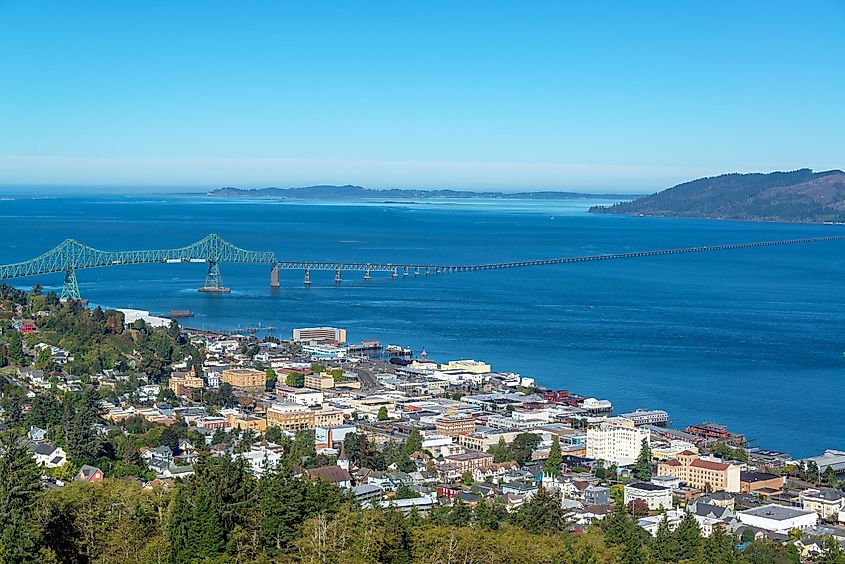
<point x="179" y="313"/>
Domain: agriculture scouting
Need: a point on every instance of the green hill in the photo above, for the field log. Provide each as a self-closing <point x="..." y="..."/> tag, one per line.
<point x="799" y="196"/>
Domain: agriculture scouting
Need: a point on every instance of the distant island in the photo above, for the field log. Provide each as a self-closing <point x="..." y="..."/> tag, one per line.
<point x="796" y="196"/>
<point x="359" y="192"/>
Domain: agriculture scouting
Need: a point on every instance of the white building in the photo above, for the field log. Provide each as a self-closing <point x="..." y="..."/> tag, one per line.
<point x="130" y="316"/>
<point x="615" y="440"/>
<point x="303" y="396"/>
<point x="828" y="503"/>
<point x="778" y="518"/>
<point x="656" y="497"/>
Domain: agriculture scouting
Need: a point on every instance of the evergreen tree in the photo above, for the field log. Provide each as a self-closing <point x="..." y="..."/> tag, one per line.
<point x="14" y="347"/>
<point x="642" y="468"/>
<point x="664" y="546"/>
<point x="720" y="548"/>
<point x="688" y="534"/>
<point x="555" y="459"/>
<point x="413" y="443"/>
<point x="20" y="487"/>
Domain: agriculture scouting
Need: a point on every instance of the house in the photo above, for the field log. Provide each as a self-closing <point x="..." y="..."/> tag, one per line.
<point x="89" y="474"/>
<point x="656" y="497"/>
<point x="37" y="434"/>
<point x="332" y="474"/>
<point x="367" y="493"/>
<point x="827" y="502"/>
<point x="48" y="455"/>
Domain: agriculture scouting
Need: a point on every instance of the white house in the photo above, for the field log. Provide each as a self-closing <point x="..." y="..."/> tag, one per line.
<point x="48" y="455"/>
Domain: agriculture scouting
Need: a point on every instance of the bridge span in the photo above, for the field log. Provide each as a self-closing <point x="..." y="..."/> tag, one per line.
<point x="71" y="255"/>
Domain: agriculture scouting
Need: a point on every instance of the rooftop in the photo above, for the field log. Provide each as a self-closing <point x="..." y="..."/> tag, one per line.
<point x="776" y="512"/>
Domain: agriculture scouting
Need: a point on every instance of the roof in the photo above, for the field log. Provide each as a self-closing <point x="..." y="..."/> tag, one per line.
<point x="647" y="486"/>
<point x="333" y="474"/>
<point x="756" y="476"/>
<point x="775" y="512"/>
<point x="709" y="465"/>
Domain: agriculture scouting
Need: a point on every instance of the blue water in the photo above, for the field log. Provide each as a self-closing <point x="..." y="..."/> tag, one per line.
<point x="750" y="338"/>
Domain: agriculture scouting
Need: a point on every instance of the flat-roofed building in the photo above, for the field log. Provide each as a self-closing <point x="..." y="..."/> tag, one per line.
<point x="247" y="379"/>
<point x="655" y="496"/>
<point x="304" y="396"/>
<point x="647" y="417"/>
<point x="319" y="381"/>
<point x="454" y="425"/>
<point x="472" y="366"/>
<point x="778" y="518"/>
<point x="243" y="422"/>
<point x="701" y="473"/>
<point x="332" y="334"/>
<point x="751" y="482"/>
<point x="290" y="416"/>
<point x="615" y="440"/>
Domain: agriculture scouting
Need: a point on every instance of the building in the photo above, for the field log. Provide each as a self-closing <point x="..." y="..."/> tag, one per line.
<point x="828" y="502"/>
<point x="471" y="366"/>
<point x="48" y="455"/>
<point x="454" y="425"/>
<point x="762" y="482"/>
<point x="707" y="475"/>
<point x="656" y="497"/>
<point x="180" y="382"/>
<point x="89" y="474"/>
<point x="615" y="440"/>
<point x="303" y="396"/>
<point x="247" y="379"/>
<point x="319" y="334"/>
<point x="319" y="381"/>
<point x="130" y="316"/>
<point x="467" y="461"/>
<point x="243" y="422"/>
<point x="290" y="416"/>
<point x="647" y="417"/>
<point x="834" y="459"/>
<point x="778" y="518"/>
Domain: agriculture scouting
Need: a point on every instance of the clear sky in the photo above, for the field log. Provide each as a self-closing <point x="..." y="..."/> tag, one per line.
<point x="592" y="96"/>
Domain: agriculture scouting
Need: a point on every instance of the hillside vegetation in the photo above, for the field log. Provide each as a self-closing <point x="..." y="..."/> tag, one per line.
<point x="798" y="196"/>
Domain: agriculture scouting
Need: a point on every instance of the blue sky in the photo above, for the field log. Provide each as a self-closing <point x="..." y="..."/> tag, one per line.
<point x="592" y="96"/>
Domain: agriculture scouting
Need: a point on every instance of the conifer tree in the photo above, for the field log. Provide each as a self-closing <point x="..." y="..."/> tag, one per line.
<point x="20" y="487"/>
<point x="555" y="459"/>
<point x="642" y="468"/>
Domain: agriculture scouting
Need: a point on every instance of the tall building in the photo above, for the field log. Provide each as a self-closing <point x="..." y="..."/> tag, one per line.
<point x="319" y="334"/>
<point x="454" y="425"/>
<point x="703" y="474"/>
<point x="615" y="440"/>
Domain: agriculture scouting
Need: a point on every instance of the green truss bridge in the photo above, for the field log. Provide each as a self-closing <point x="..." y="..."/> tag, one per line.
<point x="70" y="256"/>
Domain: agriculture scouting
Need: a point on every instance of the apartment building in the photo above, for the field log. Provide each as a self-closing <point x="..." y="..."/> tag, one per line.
<point x="615" y="440"/>
<point x="247" y="379"/>
<point x="708" y="475"/>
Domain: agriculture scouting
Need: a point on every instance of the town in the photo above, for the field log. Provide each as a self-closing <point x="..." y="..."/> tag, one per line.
<point x="101" y="396"/>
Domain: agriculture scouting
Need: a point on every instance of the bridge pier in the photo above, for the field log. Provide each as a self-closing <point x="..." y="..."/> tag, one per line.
<point x="70" y="289"/>
<point x="394" y="273"/>
<point x="213" y="280"/>
<point x="367" y="275"/>
<point x="337" y="277"/>
<point x="307" y="276"/>
<point x="274" y="277"/>
<point x="405" y="271"/>
<point x="417" y="271"/>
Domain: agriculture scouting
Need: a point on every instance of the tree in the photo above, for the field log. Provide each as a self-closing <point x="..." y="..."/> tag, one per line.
<point x="15" y="348"/>
<point x="688" y="534"/>
<point x="664" y="546"/>
<point x="295" y="379"/>
<point x="382" y="414"/>
<point x="413" y="443"/>
<point x="20" y="487"/>
<point x="523" y="447"/>
<point x="642" y="467"/>
<point x="500" y="452"/>
<point x="542" y="514"/>
<point x="271" y="380"/>
<point x="555" y="459"/>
